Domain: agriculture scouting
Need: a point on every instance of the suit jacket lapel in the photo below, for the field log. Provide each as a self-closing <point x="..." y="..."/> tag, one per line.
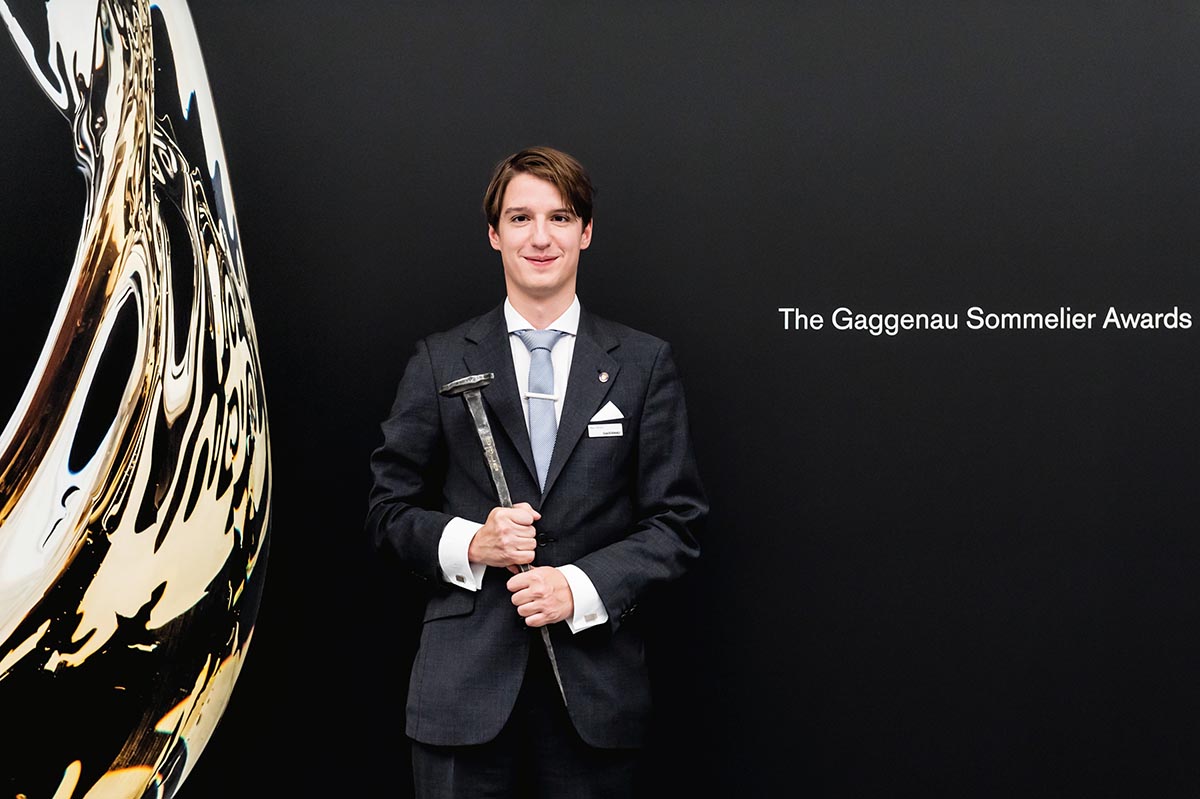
<point x="493" y="353"/>
<point x="585" y="390"/>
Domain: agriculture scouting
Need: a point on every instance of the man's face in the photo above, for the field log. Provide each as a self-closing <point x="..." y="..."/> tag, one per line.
<point x="539" y="239"/>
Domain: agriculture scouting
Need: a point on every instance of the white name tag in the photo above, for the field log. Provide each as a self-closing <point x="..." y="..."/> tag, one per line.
<point x="604" y="430"/>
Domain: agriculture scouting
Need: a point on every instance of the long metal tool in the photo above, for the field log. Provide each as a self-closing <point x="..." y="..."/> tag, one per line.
<point x="469" y="388"/>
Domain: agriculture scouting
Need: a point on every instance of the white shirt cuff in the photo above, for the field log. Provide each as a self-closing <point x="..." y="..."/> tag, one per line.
<point x="589" y="610"/>
<point x="452" y="554"/>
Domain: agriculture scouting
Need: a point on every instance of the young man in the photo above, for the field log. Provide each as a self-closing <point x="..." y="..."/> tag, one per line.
<point x="591" y="430"/>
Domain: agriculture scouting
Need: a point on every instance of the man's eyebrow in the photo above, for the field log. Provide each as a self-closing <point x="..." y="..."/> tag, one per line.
<point x="521" y="209"/>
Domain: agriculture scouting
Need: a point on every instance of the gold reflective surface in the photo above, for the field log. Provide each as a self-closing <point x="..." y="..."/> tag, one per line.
<point x="135" y="473"/>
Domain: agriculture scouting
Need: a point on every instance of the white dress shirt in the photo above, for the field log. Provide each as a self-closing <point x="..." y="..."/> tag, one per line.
<point x="456" y="536"/>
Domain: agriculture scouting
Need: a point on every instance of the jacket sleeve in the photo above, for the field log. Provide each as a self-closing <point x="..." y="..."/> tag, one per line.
<point x="670" y="502"/>
<point x="407" y="471"/>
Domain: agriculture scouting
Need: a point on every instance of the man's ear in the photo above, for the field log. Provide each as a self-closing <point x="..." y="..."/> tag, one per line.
<point x="493" y="237"/>
<point x="586" y="238"/>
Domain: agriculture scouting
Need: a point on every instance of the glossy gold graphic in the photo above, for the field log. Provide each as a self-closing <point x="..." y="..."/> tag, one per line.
<point x="135" y="473"/>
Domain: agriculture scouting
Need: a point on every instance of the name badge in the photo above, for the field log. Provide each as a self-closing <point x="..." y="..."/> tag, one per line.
<point x="608" y="430"/>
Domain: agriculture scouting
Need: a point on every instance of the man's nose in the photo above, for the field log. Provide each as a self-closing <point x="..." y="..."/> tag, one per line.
<point x="541" y="233"/>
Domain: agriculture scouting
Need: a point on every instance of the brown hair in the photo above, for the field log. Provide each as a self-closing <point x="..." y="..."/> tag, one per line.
<point x="554" y="166"/>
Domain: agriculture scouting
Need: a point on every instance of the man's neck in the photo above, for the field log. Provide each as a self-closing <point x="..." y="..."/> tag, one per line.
<point x="541" y="312"/>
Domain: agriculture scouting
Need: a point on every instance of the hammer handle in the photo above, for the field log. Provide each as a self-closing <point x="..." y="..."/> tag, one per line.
<point x="490" y="455"/>
<point x="484" y="429"/>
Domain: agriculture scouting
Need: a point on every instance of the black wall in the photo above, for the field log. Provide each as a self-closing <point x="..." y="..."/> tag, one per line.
<point x="940" y="563"/>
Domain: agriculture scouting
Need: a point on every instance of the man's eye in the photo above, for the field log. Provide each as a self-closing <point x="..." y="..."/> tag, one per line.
<point x="520" y="218"/>
<point x="561" y="218"/>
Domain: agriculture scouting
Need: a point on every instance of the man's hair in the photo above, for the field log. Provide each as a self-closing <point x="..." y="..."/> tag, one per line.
<point x="553" y="166"/>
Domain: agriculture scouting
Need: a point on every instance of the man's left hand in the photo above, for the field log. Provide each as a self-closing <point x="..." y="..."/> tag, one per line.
<point x="542" y="596"/>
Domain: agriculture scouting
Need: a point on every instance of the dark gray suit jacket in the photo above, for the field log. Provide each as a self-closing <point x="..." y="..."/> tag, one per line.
<point x="624" y="509"/>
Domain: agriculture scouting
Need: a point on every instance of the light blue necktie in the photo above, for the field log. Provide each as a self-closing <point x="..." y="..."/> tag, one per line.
<point x="543" y="427"/>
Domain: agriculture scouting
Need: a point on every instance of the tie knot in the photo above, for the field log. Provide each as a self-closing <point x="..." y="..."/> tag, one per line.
<point x="539" y="339"/>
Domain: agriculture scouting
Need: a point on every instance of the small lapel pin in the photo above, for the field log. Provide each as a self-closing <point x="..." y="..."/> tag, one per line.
<point x="602" y="377"/>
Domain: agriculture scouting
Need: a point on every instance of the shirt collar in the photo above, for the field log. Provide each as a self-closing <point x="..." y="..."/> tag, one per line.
<point x="567" y="323"/>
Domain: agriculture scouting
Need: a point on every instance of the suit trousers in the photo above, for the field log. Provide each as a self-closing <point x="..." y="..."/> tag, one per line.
<point x="537" y="755"/>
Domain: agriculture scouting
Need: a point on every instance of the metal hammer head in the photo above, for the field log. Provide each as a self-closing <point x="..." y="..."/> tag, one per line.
<point x="464" y="384"/>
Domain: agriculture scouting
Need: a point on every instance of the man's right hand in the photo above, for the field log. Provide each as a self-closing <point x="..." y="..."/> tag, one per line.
<point x="507" y="538"/>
